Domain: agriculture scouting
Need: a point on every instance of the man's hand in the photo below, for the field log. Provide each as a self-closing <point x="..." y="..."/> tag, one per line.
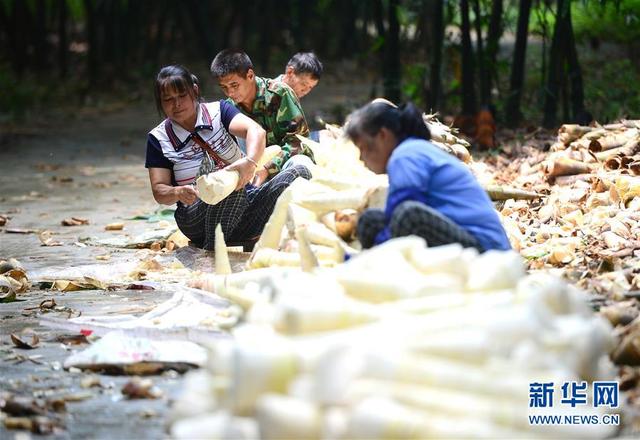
<point x="186" y="194"/>
<point x="245" y="169"/>
<point x="261" y="175"/>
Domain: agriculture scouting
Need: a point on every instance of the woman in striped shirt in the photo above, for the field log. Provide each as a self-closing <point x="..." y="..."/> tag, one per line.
<point x="197" y="138"/>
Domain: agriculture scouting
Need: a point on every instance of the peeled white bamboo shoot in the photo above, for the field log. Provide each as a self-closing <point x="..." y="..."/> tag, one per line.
<point x="266" y="257"/>
<point x="298" y="216"/>
<point x="269" y="153"/>
<point x="270" y="237"/>
<point x="284" y="417"/>
<point x="222" y="265"/>
<point x="323" y="203"/>
<point x="216" y="186"/>
<point x="308" y="260"/>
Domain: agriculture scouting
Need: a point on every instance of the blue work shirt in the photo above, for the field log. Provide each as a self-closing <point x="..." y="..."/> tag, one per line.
<point x="422" y="172"/>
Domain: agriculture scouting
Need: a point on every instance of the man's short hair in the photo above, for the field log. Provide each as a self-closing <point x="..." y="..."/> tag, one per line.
<point x="230" y="61"/>
<point x="306" y="62"/>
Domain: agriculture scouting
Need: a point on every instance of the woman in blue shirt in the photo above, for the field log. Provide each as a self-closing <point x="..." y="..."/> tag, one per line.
<point x="431" y="193"/>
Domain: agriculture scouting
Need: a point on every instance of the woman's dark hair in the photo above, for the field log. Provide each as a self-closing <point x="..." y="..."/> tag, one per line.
<point x="404" y="121"/>
<point x="178" y="78"/>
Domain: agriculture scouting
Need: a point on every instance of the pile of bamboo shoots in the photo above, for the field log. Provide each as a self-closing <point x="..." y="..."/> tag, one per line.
<point x="327" y="207"/>
<point x="589" y="223"/>
<point x="324" y="209"/>
<point x="402" y="341"/>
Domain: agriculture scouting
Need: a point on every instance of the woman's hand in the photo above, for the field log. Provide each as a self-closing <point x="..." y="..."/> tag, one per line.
<point x="186" y="194"/>
<point x="245" y="169"/>
<point x="261" y="175"/>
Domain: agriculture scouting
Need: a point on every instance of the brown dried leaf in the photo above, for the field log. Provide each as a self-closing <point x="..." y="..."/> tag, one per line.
<point x="138" y="388"/>
<point x="72" y="339"/>
<point x="3" y="220"/>
<point x="47" y="240"/>
<point x="90" y="381"/>
<point x="20" y="343"/>
<point x="119" y="226"/>
<point x="75" y="221"/>
<point x="21" y="231"/>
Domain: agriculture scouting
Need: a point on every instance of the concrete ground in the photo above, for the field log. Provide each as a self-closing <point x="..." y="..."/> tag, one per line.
<point x="91" y="167"/>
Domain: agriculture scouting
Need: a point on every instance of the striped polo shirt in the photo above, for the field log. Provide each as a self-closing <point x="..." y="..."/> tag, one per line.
<point x="172" y="147"/>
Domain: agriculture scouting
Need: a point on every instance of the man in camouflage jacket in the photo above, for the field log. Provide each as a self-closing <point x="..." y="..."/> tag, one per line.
<point x="270" y="103"/>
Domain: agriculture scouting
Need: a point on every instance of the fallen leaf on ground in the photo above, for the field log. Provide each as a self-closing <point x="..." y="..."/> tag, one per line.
<point x="47" y="240"/>
<point x="77" y="397"/>
<point x="87" y="170"/>
<point x="105" y="257"/>
<point x="21" y="231"/>
<point x="75" y="221"/>
<point x="138" y="388"/>
<point x="20" y="406"/>
<point x="13" y="277"/>
<point x="21" y="343"/>
<point x="179" y="239"/>
<point x="46" y="305"/>
<point x="90" y="382"/>
<point x="72" y="339"/>
<point x="47" y="166"/>
<point x="7" y="297"/>
<point x="3" y="220"/>
<point x="119" y="226"/>
<point x="62" y="179"/>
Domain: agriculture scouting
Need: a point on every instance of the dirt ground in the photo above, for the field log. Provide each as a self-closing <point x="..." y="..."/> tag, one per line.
<point x="89" y="165"/>
<point x="92" y="168"/>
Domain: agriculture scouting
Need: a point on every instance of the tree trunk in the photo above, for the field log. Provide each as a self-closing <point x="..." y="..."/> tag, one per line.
<point x="493" y="46"/>
<point x="574" y="71"/>
<point x="62" y="39"/>
<point x="20" y="29"/>
<point x="512" y="112"/>
<point x="92" y="39"/>
<point x="202" y="30"/>
<point x="392" y="54"/>
<point x="482" y="71"/>
<point x="556" y="56"/>
<point x="433" y="101"/>
<point x="468" y="86"/>
<point x="40" y="36"/>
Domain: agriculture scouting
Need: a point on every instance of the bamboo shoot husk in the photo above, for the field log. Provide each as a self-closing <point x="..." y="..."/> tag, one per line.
<point x="569" y="180"/>
<point x="612" y="141"/>
<point x="498" y="193"/>
<point x="568" y="133"/>
<point x="613" y="163"/>
<point x="629" y="149"/>
<point x="565" y="167"/>
<point x="346" y="222"/>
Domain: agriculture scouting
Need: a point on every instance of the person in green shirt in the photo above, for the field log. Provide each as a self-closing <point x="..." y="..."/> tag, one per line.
<point x="302" y="73"/>
<point x="270" y="103"/>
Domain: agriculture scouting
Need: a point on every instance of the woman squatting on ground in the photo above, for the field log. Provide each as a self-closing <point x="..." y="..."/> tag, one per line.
<point x="431" y="193"/>
<point x="196" y="139"/>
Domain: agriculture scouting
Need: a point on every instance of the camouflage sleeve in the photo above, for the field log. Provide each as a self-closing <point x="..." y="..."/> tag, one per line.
<point x="289" y="122"/>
